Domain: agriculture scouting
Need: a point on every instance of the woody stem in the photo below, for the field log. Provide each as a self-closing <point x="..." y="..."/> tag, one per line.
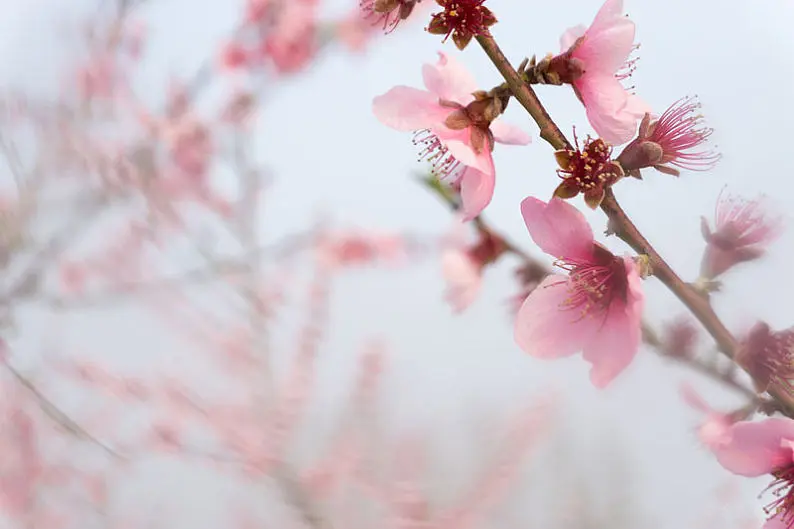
<point x="624" y="227"/>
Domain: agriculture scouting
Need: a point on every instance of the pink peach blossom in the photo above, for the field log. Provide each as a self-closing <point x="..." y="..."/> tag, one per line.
<point x="596" y="309"/>
<point x="600" y="52"/>
<point x="458" y="155"/>
<point x="742" y="231"/>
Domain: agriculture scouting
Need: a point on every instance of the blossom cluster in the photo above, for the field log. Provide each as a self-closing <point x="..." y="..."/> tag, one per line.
<point x="592" y="300"/>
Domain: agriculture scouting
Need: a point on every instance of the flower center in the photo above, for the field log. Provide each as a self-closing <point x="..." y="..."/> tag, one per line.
<point x="463" y="19"/>
<point x="783" y="490"/>
<point x="588" y="168"/>
<point x="444" y="165"/>
<point x="596" y="283"/>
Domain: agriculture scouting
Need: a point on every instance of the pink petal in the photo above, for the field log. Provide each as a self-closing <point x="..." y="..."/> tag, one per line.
<point x="449" y="80"/>
<point x="543" y="330"/>
<point x="570" y="36"/>
<point x="616" y="344"/>
<point x="407" y="109"/>
<point x="476" y="191"/>
<point x="509" y="134"/>
<point x="558" y="228"/>
<point x="694" y="400"/>
<point x="757" y="448"/>
<point x="606" y="16"/>
<point x="608" y="49"/>
<point x="459" y="145"/>
<point x="608" y="108"/>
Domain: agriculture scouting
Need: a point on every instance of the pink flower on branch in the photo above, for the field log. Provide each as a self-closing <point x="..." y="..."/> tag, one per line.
<point x="455" y="129"/>
<point x="594" y="61"/>
<point x="462" y="20"/>
<point x="742" y="231"/>
<point x="671" y="141"/>
<point x="595" y="309"/>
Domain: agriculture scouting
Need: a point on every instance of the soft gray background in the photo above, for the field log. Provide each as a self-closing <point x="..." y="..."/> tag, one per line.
<point x="329" y="154"/>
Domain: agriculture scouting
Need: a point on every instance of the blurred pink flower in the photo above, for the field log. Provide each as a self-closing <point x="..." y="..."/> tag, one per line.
<point x="458" y="146"/>
<point x="753" y="449"/>
<point x="256" y="10"/>
<point x="743" y="229"/>
<point x="292" y="42"/>
<point x="462" y="264"/>
<point x="714" y="432"/>
<point x="362" y="249"/>
<point x="594" y="56"/>
<point x="354" y="31"/>
<point x="596" y="309"/>
<point x="389" y="13"/>
<point x="679" y="338"/>
<point x="463" y="277"/>
<point x="234" y="55"/>
<point x="768" y="356"/>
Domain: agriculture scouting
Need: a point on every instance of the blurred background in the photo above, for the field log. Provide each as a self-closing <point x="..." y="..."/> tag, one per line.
<point x="251" y="327"/>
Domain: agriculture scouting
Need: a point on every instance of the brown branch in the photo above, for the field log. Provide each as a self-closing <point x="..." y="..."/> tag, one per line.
<point x="623" y="226"/>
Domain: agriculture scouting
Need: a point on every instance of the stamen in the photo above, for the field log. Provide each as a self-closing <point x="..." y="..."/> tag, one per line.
<point x="444" y="165"/>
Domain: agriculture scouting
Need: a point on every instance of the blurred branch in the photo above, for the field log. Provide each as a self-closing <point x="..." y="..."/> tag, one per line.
<point x="55" y="413"/>
<point x="291" y="245"/>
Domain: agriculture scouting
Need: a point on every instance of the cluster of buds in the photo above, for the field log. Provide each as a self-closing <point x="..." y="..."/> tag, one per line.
<point x="555" y="70"/>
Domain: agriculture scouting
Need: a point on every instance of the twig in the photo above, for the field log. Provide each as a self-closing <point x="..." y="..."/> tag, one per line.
<point x="624" y="228"/>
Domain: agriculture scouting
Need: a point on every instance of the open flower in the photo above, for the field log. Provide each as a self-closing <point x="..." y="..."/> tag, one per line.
<point x="594" y="60"/>
<point x="455" y="129"/>
<point x="589" y="170"/>
<point x="462" y="19"/>
<point x="673" y="140"/>
<point x="595" y="309"/>
<point x="742" y="231"/>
